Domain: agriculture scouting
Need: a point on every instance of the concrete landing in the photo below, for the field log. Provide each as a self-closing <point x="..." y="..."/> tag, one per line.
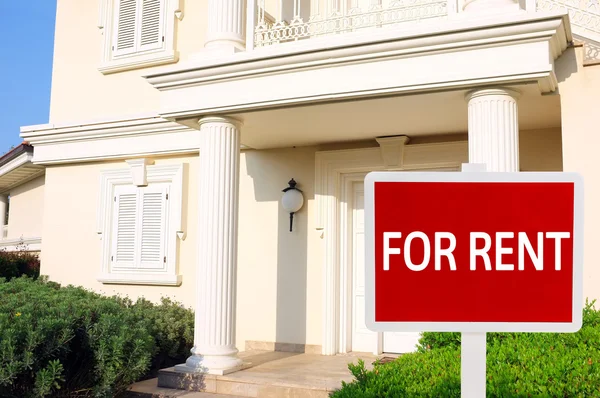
<point x="267" y="374"/>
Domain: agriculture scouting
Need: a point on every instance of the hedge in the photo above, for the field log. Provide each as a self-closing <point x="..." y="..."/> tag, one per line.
<point x="17" y="263"/>
<point x="69" y="342"/>
<point x="518" y="365"/>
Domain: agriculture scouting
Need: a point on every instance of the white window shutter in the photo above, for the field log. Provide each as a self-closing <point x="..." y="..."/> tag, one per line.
<point x="152" y="26"/>
<point x="152" y="250"/>
<point x="124" y="237"/>
<point x="125" y="27"/>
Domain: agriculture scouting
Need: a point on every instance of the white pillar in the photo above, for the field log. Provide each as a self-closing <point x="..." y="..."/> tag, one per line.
<point x="491" y="6"/>
<point x="3" y="205"/>
<point x="494" y="128"/>
<point x="214" y="349"/>
<point x="226" y="25"/>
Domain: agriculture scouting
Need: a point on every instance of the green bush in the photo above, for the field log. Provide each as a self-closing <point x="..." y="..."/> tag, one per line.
<point x="69" y="342"/>
<point x="518" y="365"/>
<point x="20" y="262"/>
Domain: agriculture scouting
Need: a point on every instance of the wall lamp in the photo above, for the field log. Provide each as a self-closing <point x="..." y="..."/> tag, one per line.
<point x="292" y="200"/>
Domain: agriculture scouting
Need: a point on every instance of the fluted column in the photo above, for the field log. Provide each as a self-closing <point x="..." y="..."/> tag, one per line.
<point x="494" y="128"/>
<point x="226" y="24"/>
<point x="491" y="6"/>
<point x="214" y="349"/>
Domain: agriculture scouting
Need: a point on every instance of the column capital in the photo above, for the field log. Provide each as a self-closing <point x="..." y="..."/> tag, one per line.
<point x="492" y="91"/>
<point x="220" y="119"/>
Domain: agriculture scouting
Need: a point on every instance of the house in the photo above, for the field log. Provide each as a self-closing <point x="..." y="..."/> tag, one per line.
<point x="176" y="124"/>
<point x="21" y="200"/>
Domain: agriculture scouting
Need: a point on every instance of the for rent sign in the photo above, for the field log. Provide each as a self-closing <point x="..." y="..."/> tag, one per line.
<point x="474" y="252"/>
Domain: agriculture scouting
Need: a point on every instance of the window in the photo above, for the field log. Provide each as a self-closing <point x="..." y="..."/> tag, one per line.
<point x="137" y="33"/>
<point x="140" y="225"/>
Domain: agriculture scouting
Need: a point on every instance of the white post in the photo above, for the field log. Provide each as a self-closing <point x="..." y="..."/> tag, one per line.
<point x="472" y="365"/>
<point x="3" y="205"/>
<point x="494" y="128"/>
<point x="214" y="349"/>
<point x="473" y="345"/>
<point x="226" y="20"/>
<point x="493" y="146"/>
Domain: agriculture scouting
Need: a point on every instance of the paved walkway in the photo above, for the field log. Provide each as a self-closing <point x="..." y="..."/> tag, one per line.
<point x="275" y="374"/>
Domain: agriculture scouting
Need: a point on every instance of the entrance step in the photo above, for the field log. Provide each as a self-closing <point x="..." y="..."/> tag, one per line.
<point x="267" y="374"/>
<point x="149" y="389"/>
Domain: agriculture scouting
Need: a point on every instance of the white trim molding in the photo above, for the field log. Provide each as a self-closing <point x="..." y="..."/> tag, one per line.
<point x="454" y="54"/>
<point x="103" y="140"/>
<point x="18" y="171"/>
<point x="109" y="179"/>
<point x="31" y="244"/>
<point x="333" y="171"/>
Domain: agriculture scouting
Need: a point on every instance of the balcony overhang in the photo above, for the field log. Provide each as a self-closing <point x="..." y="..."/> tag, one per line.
<point x="454" y="54"/>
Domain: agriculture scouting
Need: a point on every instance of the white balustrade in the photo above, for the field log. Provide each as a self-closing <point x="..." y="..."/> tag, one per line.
<point x="292" y="20"/>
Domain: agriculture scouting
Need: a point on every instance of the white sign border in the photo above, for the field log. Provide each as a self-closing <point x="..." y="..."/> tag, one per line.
<point x="563" y="327"/>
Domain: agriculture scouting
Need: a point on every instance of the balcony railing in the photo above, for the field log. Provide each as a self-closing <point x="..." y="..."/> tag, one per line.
<point x="309" y="19"/>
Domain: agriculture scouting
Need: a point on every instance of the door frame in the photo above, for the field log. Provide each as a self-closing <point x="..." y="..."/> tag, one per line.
<point x="335" y="172"/>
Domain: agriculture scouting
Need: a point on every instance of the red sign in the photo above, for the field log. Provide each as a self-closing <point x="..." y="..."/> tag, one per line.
<point x="473" y="251"/>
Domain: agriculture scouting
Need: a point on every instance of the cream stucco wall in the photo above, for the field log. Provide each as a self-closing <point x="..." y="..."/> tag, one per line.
<point x="26" y="209"/>
<point x="279" y="284"/>
<point x="80" y="92"/>
<point x="71" y="251"/>
<point x="579" y="89"/>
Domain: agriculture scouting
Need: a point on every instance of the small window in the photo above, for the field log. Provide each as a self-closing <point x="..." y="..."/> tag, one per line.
<point x="139" y="238"/>
<point x="137" y="33"/>
<point x="140" y="225"/>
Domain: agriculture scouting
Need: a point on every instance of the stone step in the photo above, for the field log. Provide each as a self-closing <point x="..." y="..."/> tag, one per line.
<point x="149" y="389"/>
<point x="246" y="387"/>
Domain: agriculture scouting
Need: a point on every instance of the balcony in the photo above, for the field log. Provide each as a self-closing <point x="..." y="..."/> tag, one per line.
<point x="289" y="21"/>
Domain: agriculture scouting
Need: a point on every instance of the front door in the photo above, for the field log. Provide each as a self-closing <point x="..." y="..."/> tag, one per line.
<point x="362" y="338"/>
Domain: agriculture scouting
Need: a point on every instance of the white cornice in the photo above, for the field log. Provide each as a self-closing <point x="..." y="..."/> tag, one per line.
<point x="425" y="37"/>
<point x="50" y="133"/>
<point x="109" y="140"/>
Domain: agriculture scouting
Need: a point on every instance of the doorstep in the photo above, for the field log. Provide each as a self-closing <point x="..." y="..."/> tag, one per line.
<point x="266" y="374"/>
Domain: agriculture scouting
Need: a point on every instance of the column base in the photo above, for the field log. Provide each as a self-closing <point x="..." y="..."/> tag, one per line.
<point x="215" y="52"/>
<point x="210" y="364"/>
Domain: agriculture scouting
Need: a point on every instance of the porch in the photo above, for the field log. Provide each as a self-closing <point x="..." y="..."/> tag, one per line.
<point x="265" y="374"/>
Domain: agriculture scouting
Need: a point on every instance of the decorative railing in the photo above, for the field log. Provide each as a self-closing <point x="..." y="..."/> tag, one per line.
<point x="585" y="20"/>
<point x="340" y="17"/>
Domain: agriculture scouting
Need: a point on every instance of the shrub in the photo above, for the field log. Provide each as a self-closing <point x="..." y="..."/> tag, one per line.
<point x="518" y="365"/>
<point x="67" y="341"/>
<point x="20" y="262"/>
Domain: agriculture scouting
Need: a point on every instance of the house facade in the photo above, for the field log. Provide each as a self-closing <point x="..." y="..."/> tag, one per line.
<point x="176" y="124"/>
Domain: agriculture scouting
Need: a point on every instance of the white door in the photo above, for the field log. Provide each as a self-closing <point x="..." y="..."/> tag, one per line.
<point x="362" y="338"/>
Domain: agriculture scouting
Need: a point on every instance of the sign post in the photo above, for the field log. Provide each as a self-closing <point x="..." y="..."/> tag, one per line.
<point x="473" y="346"/>
<point x="473" y="252"/>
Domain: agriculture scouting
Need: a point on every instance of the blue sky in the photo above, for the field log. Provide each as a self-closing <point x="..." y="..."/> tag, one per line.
<point x="27" y="31"/>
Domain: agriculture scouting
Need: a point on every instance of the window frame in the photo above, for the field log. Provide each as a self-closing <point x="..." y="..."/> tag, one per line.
<point x="111" y="63"/>
<point x="171" y="174"/>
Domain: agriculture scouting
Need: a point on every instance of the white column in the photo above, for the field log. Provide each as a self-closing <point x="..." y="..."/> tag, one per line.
<point x="226" y="25"/>
<point x="491" y="6"/>
<point x="3" y="205"/>
<point x="214" y="349"/>
<point x="494" y="128"/>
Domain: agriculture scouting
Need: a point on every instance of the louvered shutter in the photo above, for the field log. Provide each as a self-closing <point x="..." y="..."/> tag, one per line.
<point x="152" y="24"/>
<point x="125" y="27"/>
<point x="124" y="236"/>
<point x="152" y="251"/>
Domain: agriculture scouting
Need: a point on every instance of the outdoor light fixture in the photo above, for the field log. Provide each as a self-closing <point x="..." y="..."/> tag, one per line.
<point x="292" y="200"/>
